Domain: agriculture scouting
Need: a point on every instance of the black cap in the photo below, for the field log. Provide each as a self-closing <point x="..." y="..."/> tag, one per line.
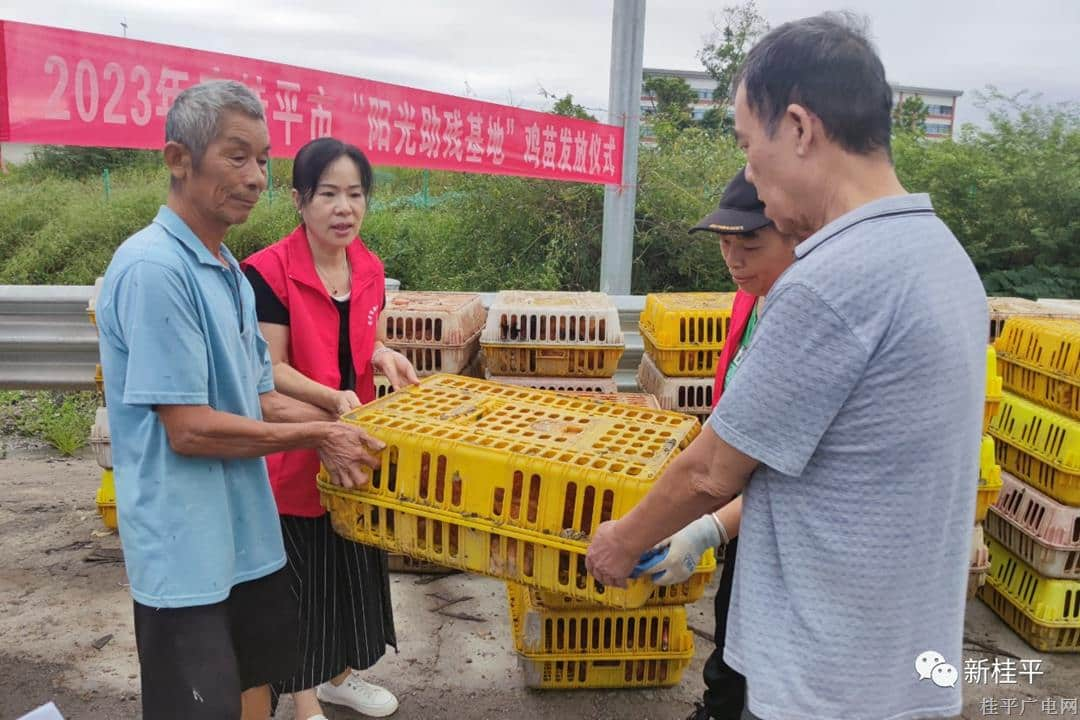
<point x="740" y="210"/>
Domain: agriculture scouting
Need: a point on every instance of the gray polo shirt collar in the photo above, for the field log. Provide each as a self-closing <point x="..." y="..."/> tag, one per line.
<point x="896" y="205"/>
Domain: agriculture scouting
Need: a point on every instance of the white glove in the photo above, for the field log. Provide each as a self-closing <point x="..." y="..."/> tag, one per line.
<point x="685" y="549"/>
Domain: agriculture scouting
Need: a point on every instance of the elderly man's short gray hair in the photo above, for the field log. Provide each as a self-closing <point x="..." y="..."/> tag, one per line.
<point x="194" y="120"/>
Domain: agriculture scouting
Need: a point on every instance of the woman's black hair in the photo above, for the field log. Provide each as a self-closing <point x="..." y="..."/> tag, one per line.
<point x="313" y="159"/>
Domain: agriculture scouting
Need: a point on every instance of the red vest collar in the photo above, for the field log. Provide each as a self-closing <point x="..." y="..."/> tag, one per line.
<point x="301" y="263"/>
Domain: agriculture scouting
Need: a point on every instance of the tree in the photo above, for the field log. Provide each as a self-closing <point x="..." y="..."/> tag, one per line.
<point x="672" y="98"/>
<point x="734" y="33"/>
<point x="909" y="116"/>
<point x="716" y="119"/>
<point x="566" y="107"/>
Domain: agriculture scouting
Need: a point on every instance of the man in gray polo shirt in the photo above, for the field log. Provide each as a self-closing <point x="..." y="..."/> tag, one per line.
<point x="852" y="426"/>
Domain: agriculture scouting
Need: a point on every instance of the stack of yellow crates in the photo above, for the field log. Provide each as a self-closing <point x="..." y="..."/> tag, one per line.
<point x="989" y="483"/>
<point x="1034" y="527"/>
<point x="684" y="334"/>
<point x="100" y="440"/>
<point x="510" y="482"/>
<point x="1003" y="308"/>
<point x="566" y="644"/>
<point x="568" y="341"/>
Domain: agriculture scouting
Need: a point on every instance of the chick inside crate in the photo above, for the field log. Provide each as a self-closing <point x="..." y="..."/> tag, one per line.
<point x="532" y="471"/>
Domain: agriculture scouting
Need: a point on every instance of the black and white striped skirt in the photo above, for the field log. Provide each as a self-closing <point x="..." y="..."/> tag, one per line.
<point x="346" y="619"/>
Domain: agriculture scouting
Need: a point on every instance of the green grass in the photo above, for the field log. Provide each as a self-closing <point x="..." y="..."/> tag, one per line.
<point x="61" y="419"/>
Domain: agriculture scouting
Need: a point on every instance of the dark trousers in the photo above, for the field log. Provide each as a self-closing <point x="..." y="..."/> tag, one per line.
<point x="725" y="689"/>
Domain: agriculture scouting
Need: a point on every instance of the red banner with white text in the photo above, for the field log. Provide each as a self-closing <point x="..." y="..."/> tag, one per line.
<point x="63" y="87"/>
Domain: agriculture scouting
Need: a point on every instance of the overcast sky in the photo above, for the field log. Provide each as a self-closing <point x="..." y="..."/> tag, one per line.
<point x="505" y="50"/>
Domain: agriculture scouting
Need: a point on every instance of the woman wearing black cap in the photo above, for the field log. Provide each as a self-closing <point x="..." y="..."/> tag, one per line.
<point x="756" y="254"/>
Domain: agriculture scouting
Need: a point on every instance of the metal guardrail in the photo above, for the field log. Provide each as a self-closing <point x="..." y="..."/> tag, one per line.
<point x="47" y="341"/>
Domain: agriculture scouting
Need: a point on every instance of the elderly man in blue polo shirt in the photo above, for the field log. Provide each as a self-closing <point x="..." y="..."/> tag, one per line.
<point x="192" y="407"/>
<point x="853" y="424"/>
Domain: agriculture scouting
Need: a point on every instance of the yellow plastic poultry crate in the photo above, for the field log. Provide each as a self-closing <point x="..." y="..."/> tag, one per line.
<point x="546" y="562"/>
<point x="1040" y="359"/>
<point x="682" y="593"/>
<point x="993" y="388"/>
<point x="573" y="670"/>
<point x="1060" y="393"/>
<point x="1041" y="637"/>
<point x="684" y="333"/>
<point x="1003" y="308"/>
<point x="1040" y="446"/>
<point x="687" y="319"/>
<point x="527" y="467"/>
<point x="1049" y="344"/>
<point x="535" y="460"/>
<point x="1044" y="611"/>
<point x="106" y="499"/>
<point x="432" y="318"/>
<point x="586" y="673"/>
<point x="682" y="362"/>
<point x="989" y="479"/>
<point x="626" y="634"/>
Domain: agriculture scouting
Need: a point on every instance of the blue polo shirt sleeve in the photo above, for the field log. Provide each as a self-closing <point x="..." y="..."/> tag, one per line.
<point x="164" y="338"/>
<point x="802" y="364"/>
<point x="266" y="373"/>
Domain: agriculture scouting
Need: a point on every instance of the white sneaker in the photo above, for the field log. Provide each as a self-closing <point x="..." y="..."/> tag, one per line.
<point x="363" y="697"/>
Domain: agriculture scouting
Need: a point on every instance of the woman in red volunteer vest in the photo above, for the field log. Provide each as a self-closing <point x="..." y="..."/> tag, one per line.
<point x="319" y="292"/>
<point x="756" y="255"/>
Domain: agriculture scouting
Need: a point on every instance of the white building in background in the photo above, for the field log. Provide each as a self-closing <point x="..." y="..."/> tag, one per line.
<point x="940" y="103"/>
<point x="701" y="82"/>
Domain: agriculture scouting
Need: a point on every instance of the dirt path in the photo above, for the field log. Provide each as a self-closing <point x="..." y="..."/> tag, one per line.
<point x="61" y="589"/>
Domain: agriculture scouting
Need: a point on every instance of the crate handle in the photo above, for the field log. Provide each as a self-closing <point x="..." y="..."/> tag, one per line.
<point x="551" y="354"/>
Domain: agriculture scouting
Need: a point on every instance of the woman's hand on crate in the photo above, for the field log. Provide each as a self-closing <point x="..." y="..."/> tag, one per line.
<point x="345" y="451"/>
<point x="344" y="401"/>
<point x="395" y="366"/>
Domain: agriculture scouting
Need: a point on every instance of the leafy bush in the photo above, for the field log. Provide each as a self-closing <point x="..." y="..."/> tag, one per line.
<point x="83" y="162"/>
